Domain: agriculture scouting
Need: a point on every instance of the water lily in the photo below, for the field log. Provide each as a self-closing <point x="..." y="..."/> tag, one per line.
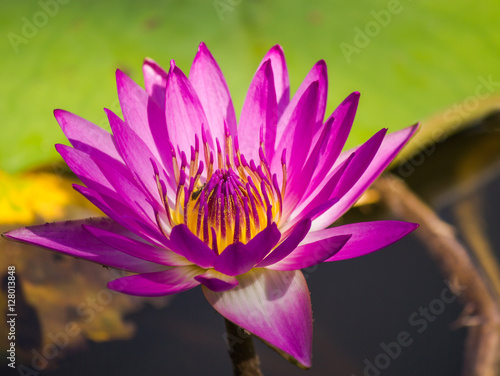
<point x="194" y="198"/>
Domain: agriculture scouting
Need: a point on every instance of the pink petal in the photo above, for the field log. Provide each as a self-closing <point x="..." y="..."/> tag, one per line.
<point x="85" y="168"/>
<point x="183" y="111"/>
<point x="288" y="245"/>
<point x="318" y="145"/>
<point x="311" y="214"/>
<point x="314" y="201"/>
<point x="129" y="192"/>
<point x="297" y="141"/>
<point x="239" y="258"/>
<point x="317" y="73"/>
<point x="359" y="163"/>
<point x="185" y="243"/>
<point x="137" y="248"/>
<point x="311" y="254"/>
<point x="140" y="159"/>
<point x="210" y="85"/>
<point x="280" y="73"/>
<point x="259" y="114"/>
<point x="144" y="117"/>
<point x="366" y="237"/>
<point x="86" y="136"/>
<point x="155" y="81"/>
<point x="274" y="306"/>
<point x="355" y="165"/>
<point x="168" y="282"/>
<point x="216" y="281"/>
<point x="71" y="239"/>
<point x="122" y="214"/>
<point x="390" y="147"/>
<point x="327" y="146"/>
<point x="342" y="119"/>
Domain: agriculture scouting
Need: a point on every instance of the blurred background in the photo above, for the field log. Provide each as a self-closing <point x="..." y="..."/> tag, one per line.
<point x="434" y="62"/>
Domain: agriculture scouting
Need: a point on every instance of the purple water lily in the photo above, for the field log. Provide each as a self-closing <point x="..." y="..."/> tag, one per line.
<point x="192" y="198"/>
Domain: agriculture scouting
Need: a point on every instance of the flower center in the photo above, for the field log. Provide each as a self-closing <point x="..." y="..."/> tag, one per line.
<point x="234" y="201"/>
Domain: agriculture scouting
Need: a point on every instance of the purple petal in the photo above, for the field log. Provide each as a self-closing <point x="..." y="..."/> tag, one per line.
<point x="355" y="165"/>
<point x="312" y="202"/>
<point x="288" y="245"/>
<point x="168" y="282"/>
<point x="137" y="248"/>
<point x="122" y="214"/>
<point x="86" y="136"/>
<point x="129" y="192"/>
<point x="71" y="239"/>
<point x="105" y="180"/>
<point x="216" y="281"/>
<point x="274" y="306"/>
<point x="144" y="117"/>
<point x="187" y="244"/>
<point x="317" y="73"/>
<point x="390" y="147"/>
<point x="280" y="74"/>
<point x="359" y="163"/>
<point x="183" y="111"/>
<point x="366" y="237"/>
<point x="139" y="157"/>
<point x="297" y="140"/>
<point x="239" y="258"/>
<point x="210" y="85"/>
<point x="312" y="214"/>
<point x="259" y="113"/>
<point x="311" y="254"/>
<point x="155" y="81"/>
<point x="85" y="168"/>
<point x="318" y="145"/>
<point x="327" y="146"/>
<point x="342" y="119"/>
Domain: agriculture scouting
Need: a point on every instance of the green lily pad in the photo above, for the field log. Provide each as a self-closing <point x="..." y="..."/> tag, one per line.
<point x="408" y="59"/>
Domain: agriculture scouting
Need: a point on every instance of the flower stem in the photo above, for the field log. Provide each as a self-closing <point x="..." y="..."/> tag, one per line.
<point x="241" y="350"/>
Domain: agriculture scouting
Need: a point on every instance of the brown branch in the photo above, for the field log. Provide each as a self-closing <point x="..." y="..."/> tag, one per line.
<point x="483" y="340"/>
<point x="473" y="227"/>
<point x="241" y="350"/>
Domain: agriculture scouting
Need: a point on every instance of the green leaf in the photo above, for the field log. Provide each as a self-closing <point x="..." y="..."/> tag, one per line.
<point x="410" y="58"/>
